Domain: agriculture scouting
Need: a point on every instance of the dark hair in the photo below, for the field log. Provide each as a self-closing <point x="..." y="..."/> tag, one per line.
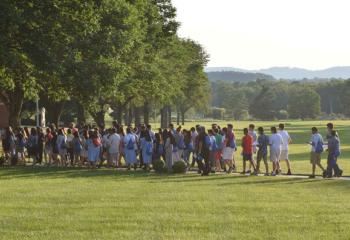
<point x="261" y="129"/>
<point x="314" y="129"/>
<point x="281" y="126"/>
<point x="252" y="126"/>
<point x="330" y="125"/>
<point x="229" y="126"/>
<point x="273" y="129"/>
<point x="245" y="130"/>
<point x="211" y="132"/>
<point x="33" y="131"/>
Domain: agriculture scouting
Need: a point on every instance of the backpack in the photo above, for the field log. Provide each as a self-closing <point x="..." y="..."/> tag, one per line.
<point x="214" y="146"/>
<point x="319" y="147"/>
<point x="130" y="145"/>
<point x="181" y="143"/>
<point x="232" y="143"/>
<point x="22" y="143"/>
<point x="77" y="146"/>
<point x="149" y="148"/>
<point x="337" y="150"/>
<point x="190" y="147"/>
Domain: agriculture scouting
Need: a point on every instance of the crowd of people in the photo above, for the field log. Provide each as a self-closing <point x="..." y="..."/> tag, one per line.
<point x="210" y="150"/>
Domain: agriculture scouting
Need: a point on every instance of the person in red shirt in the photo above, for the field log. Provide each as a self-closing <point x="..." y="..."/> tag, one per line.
<point x="247" y="145"/>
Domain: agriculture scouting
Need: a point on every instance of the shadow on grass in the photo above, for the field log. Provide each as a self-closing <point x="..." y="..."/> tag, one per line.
<point x="55" y="172"/>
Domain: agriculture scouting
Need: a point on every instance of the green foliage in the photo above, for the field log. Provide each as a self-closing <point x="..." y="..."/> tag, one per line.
<point x="179" y="167"/>
<point x="304" y="103"/>
<point x="217" y="113"/>
<point x="158" y="165"/>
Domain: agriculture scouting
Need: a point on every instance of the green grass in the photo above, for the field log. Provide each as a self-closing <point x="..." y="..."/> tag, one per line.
<point x="79" y="204"/>
<point x="53" y="203"/>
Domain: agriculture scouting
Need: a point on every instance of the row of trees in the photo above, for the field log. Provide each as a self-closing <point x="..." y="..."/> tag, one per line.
<point x="95" y="55"/>
<point x="268" y="99"/>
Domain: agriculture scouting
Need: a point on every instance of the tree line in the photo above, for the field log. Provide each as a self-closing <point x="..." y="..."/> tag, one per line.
<point x="269" y="99"/>
<point x="94" y="55"/>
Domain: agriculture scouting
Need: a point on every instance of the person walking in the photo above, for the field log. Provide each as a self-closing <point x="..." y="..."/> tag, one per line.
<point x="247" y="151"/>
<point x="275" y="142"/>
<point x="130" y="149"/>
<point x="263" y="142"/>
<point x="285" y="147"/>
<point x="316" y="143"/>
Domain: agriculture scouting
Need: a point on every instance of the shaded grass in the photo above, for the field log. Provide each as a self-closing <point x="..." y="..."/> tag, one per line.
<point x="79" y="204"/>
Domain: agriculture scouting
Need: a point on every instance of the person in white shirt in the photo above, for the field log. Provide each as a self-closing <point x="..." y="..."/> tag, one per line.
<point x="316" y="143"/>
<point x="286" y="141"/>
<point x="113" y="148"/>
<point x="275" y="142"/>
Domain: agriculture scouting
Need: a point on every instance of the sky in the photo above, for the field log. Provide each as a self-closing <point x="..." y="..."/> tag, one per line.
<point x="257" y="34"/>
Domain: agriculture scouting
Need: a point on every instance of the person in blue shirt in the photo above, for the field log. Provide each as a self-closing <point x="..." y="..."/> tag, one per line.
<point x="263" y="142"/>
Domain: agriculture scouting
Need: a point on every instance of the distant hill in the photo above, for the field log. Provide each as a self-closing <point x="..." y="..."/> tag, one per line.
<point x="295" y="73"/>
<point x="232" y="76"/>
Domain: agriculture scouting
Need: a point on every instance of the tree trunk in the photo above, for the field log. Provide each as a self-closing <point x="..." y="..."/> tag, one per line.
<point x="164" y="117"/>
<point x="146" y="113"/>
<point x="15" y="110"/>
<point x="81" y="118"/>
<point x="13" y="102"/>
<point x="178" y="118"/>
<point x="137" y="116"/>
<point x="183" y="117"/>
<point x="99" y="118"/>
<point x="56" y="112"/>
<point x="130" y="117"/>
<point x="169" y="115"/>
<point x="119" y="116"/>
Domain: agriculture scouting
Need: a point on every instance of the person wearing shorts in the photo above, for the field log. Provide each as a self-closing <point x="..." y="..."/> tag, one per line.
<point x="263" y="142"/>
<point x="247" y="153"/>
<point x="275" y="142"/>
<point x="284" y="150"/>
<point x="315" y="156"/>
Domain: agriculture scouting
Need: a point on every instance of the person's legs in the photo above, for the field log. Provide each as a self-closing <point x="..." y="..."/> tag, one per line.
<point x="244" y="166"/>
<point x="266" y="165"/>
<point x="258" y="160"/>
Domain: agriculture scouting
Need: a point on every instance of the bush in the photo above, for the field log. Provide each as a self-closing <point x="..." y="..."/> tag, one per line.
<point x="179" y="167"/>
<point x="282" y="115"/>
<point x="2" y="160"/>
<point x="159" y="166"/>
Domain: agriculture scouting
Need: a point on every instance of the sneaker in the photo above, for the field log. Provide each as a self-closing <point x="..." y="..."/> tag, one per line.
<point x="273" y="174"/>
<point x="324" y="174"/>
<point x="289" y="172"/>
<point x="340" y="173"/>
<point x="248" y="172"/>
<point x="266" y="174"/>
<point x="312" y="176"/>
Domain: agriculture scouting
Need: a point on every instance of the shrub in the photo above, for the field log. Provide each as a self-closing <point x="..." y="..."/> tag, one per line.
<point x="282" y="115"/>
<point x="179" y="167"/>
<point x="2" y="160"/>
<point x="14" y="160"/>
<point x="159" y="166"/>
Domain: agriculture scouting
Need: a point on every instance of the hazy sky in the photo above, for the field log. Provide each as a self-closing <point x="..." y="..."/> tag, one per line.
<point x="255" y="34"/>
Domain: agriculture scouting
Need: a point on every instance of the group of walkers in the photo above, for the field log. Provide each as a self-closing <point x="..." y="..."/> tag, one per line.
<point x="212" y="150"/>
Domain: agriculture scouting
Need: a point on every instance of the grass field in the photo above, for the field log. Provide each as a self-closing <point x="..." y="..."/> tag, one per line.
<point x="50" y="203"/>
